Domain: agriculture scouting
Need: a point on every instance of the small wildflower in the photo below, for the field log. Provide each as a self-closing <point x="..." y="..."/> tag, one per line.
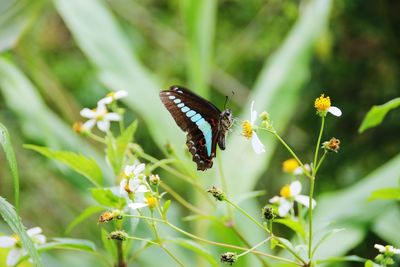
<point x="14" y="242"/>
<point x="331" y="145"/>
<point x="132" y="186"/>
<point x="118" y="235"/>
<point x="141" y="202"/>
<point x="100" y="117"/>
<point x="217" y="193"/>
<point x="249" y="131"/>
<point x="290" y="165"/>
<point x="268" y="213"/>
<point x="112" y="96"/>
<point x="229" y="258"/>
<point x="133" y="171"/>
<point x="289" y="194"/>
<point x="110" y="215"/>
<point x="323" y="105"/>
<point x="154" y="180"/>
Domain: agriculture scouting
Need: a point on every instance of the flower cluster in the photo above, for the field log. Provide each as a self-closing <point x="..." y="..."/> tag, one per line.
<point x="386" y="253"/>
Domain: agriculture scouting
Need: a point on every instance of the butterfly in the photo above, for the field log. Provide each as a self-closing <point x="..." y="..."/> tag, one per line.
<point x="205" y="125"/>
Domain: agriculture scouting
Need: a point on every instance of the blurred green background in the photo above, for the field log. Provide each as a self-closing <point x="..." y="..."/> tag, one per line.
<point x="60" y="56"/>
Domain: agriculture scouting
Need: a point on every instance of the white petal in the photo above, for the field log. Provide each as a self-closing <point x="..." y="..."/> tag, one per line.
<point x="396" y="251"/>
<point x="295" y="188"/>
<point x="142" y="189"/>
<point x="275" y="199"/>
<point x="39" y="239"/>
<point x="120" y="94"/>
<point x="34" y="231"/>
<point x="136" y="206"/>
<point x="103" y="125"/>
<point x="298" y="171"/>
<point x="89" y="124"/>
<point x="112" y="117"/>
<point x="335" y="111"/>
<point x="14" y="255"/>
<point x="7" y="241"/>
<point x="129" y="169"/>
<point x="381" y="248"/>
<point x="305" y="201"/>
<point x="104" y="101"/>
<point x="133" y="184"/>
<point x="139" y="168"/>
<point x="122" y="185"/>
<point x="253" y="114"/>
<point x="284" y="207"/>
<point x="258" y="147"/>
<point x="88" y="113"/>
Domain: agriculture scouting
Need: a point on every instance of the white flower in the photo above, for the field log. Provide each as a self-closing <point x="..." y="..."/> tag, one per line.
<point x="387" y="249"/>
<point x="323" y="105"/>
<point x="289" y="194"/>
<point x="134" y="170"/>
<point x="141" y="201"/>
<point x="112" y="96"/>
<point x="249" y="132"/>
<point x="299" y="170"/>
<point x="335" y="111"/>
<point x="133" y="185"/>
<point x="14" y="243"/>
<point x="99" y="116"/>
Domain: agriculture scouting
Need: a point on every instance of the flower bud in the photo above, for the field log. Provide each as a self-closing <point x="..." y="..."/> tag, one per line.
<point x="331" y="145"/>
<point x="229" y="258"/>
<point x="217" y="193"/>
<point x="268" y="213"/>
<point x="118" y="235"/>
<point x="155" y="180"/>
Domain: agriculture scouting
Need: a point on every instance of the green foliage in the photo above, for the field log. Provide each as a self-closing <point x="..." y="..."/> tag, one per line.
<point x="83" y="216"/>
<point x="377" y="113"/>
<point x="9" y="215"/>
<point x="107" y="198"/>
<point x="386" y="193"/>
<point x="117" y="148"/>
<point x="12" y="162"/>
<point x="79" y="163"/>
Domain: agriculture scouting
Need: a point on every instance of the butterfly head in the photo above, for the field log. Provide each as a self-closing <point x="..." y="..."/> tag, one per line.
<point x="226" y="120"/>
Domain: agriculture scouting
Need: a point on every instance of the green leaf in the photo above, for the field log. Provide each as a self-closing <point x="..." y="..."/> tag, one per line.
<point x="387" y="223"/>
<point x="107" y="198"/>
<point x="165" y="208"/>
<point x="12" y="162"/>
<point x="377" y="113"/>
<point x="79" y="163"/>
<point x="386" y="193"/>
<point x="83" y="216"/>
<point x="295" y="226"/>
<point x="325" y="237"/>
<point x="370" y="263"/>
<point x="12" y="219"/>
<point x="193" y="246"/>
<point x="199" y="19"/>
<point x="116" y="150"/>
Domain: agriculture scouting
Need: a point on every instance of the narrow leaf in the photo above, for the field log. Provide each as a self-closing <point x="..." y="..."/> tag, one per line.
<point x="83" y="216"/>
<point x="377" y="113"/>
<point x="189" y="244"/>
<point x="79" y="163"/>
<point x="108" y="244"/>
<point x="12" y="162"/>
<point x="295" y="226"/>
<point x="116" y="150"/>
<point x="386" y="193"/>
<point x="106" y="197"/>
<point x="12" y="219"/>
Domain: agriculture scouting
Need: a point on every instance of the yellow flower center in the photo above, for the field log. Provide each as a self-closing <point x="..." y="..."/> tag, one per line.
<point x="322" y="103"/>
<point x="152" y="202"/>
<point x="112" y="94"/>
<point x="126" y="188"/>
<point x="247" y="129"/>
<point x="285" y="191"/>
<point x="290" y="165"/>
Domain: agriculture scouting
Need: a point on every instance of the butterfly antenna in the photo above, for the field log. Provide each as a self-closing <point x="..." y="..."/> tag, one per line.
<point x="227" y="99"/>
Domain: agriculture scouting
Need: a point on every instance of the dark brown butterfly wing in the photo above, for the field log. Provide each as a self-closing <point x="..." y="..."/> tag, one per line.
<point x="198" y="118"/>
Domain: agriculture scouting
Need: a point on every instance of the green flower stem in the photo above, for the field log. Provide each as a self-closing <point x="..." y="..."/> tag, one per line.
<point x="120" y="252"/>
<point x="247" y="215"/>
<point x="181" y="200"/>
<point x="96" y="138"/>
<point x="224" y="185"/>
<point x="312" y="181"/>
<point x="142" y="239"/>
<point x="320" y="162"/>
<point x="212" y="242"/>
<point x="306" y="172"/>
<point x="253" y="248"/>
<point x="290" y="250"/>
<point x="160" y="242"/>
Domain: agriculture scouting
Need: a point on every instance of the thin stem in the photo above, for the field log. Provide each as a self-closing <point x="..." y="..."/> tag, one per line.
<point x="253" y="248"/>
<point x="320" y="162"/>
<point x="224" y="185"/>
<point x="120" y="251"/>
<point x="312" y="181"/>
<point x="142" y="239"/>
<point x="306" y="172"/>
<point x="247" y="215"/>
<point x="96" y="138"/>
<point x="212" y="242"/>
